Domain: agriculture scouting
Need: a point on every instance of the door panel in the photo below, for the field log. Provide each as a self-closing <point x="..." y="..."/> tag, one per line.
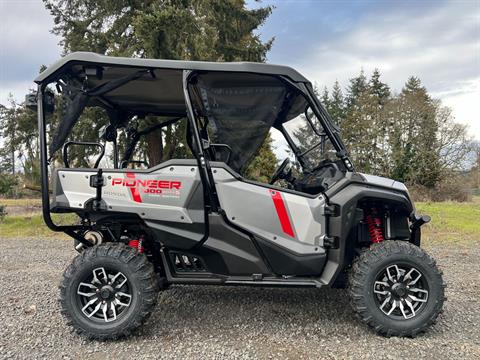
<point x="292" y="221"/>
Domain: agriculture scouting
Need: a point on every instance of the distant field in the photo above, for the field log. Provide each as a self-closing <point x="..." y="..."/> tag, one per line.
<point x="21" y="202"/>
<point x="450" y="221"/>
<point x="32" y="225"/>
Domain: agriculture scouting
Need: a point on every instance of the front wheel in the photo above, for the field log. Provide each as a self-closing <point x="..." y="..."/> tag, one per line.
<point x="396" y="288"/>
<point x="108" y="291"/>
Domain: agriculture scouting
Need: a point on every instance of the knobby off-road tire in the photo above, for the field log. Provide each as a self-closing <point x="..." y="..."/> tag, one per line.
<point x="101" y="270"/>
<point x="373" y="282"/>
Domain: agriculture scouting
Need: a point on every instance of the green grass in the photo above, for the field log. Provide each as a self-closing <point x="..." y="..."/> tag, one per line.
<point x="32" y="225"/>
<point x="27" y="221"/>
<point x="452" y="220"/>
<point x="456" y="217"/>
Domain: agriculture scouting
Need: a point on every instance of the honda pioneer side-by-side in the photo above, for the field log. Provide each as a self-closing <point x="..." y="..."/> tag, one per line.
<point x="199" y="220"/>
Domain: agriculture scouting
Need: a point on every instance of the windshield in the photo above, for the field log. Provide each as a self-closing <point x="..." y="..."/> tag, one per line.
<point x="308" y="136"/>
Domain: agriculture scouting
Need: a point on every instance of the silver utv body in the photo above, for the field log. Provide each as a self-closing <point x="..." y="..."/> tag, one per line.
<point x="170" y="193"/>
<point x="204" y="222"/>
<point x="168" y="198"/>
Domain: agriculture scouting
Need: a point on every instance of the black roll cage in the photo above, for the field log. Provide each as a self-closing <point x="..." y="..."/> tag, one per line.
<point x="210" y="194"/>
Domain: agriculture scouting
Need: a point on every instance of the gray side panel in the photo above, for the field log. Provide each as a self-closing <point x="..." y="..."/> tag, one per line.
<point x="164" y="194"/>
<point x="285" y="262"/>
<point x="59" y="199"/>
<point x="237" y="249"/>
<point x="253" y="208"/>
<point x="176" y="235"/>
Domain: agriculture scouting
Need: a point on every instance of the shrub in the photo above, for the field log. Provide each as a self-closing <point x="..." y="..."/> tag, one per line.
<point x="3" y="213"/>
<point x="452" y="188"/>
<point x="8" y="182"/>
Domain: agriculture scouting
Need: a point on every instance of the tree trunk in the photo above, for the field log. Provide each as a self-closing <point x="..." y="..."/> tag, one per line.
<point x="154" y="147"/>
<point x="170" y="143"/>
<point x="13" y="162"/>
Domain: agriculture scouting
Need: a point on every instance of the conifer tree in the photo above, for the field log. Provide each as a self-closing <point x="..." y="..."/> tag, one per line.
<point x="357" y="86"/>
<point x="184" y="30"/>
<point x="337" y="104"/>
<point x="414" y="136"/>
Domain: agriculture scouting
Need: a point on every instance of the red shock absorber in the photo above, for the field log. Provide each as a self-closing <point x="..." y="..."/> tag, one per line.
<point x="137" y="244"/>
<point x="374" y="224"/>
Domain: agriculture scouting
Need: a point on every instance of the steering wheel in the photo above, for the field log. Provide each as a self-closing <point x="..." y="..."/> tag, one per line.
<point x="282" y="171"/>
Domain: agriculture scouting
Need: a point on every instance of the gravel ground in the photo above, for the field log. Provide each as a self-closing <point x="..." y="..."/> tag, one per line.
<point x="198" y="322"/>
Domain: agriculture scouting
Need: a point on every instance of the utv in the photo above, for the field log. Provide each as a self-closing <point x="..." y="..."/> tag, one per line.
<point x="317" y="222"/>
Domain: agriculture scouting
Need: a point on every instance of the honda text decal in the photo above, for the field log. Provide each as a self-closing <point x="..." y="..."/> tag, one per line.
<point x="163" y="188"/>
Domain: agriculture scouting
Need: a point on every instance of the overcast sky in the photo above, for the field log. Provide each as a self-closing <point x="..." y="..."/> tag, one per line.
<point x="438" y="41"/>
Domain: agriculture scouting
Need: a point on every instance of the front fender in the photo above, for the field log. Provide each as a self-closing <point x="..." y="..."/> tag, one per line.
<point x="346" y="195"/>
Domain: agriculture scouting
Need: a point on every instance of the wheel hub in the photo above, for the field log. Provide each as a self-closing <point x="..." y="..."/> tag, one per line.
<point x="104" y="295"/>
<point x="107" y="292"/>
<point x="400" y="291"/>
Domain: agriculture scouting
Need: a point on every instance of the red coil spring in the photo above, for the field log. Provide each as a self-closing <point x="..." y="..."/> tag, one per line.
<point x="137" y="244"/>
<point x="374" y="224"/>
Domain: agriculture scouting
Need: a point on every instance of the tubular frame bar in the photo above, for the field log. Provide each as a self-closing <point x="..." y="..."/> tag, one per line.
<point x="325" y="120"/>
<point x="203" y="162"/>
<point x="327" y="124"/>
<point x="42" y="132"/>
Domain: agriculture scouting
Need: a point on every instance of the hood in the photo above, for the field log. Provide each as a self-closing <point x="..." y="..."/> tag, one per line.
<point x="385" y="182"/>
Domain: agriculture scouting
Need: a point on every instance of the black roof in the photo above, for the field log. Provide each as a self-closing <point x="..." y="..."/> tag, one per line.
<point x="241" y="100"/>
<point x="88" y="58"/>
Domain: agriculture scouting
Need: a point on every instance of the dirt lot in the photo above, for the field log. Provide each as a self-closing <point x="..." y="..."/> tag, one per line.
<point x="220" y="322"/>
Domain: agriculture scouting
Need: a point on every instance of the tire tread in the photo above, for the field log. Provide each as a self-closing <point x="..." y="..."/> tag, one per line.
<point x="361" y="266"/>
<point x="147" y="284"/>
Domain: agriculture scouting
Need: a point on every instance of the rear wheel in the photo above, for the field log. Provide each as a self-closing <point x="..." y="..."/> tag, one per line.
<point x="108" y="291"/>
<point x="396" y="288"/>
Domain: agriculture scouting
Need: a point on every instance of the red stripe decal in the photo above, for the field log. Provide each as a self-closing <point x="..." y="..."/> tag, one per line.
<point x="133" y="189"/>
<point x="282" y="213"/>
